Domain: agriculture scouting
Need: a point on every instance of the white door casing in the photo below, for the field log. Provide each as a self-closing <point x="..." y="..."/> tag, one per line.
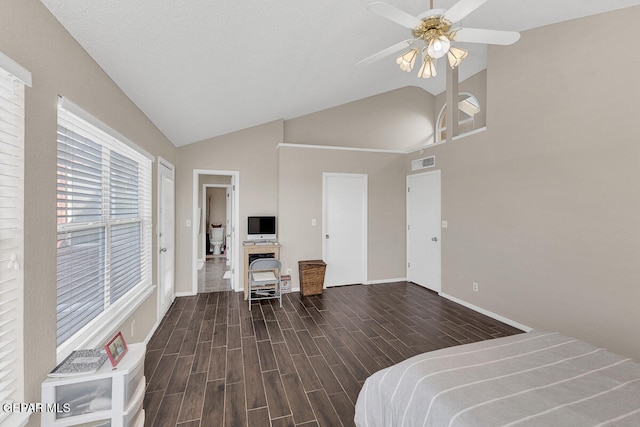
<point x="423" y="230"/>
<point x="232" y="241"/>
<point x="166" y="236"/>
<point x="229" y="229"/>
<point x="344" y="228"/>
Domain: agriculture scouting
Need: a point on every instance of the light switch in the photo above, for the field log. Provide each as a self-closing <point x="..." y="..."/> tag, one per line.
<point x="188" y="223"/>
<point x="445" y="224"/>
<point x="313" y="222"/>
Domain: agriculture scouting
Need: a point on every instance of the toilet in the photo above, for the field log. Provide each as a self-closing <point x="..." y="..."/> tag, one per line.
<point x="216" y="238"/>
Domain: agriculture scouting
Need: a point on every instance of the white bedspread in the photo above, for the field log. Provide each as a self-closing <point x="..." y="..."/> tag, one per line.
<point x="532" y="379"/>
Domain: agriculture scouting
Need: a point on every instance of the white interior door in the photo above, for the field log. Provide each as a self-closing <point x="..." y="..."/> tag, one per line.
<point x="166" y="236"/>
<point x="423" y="230"/>
<point x="345" y="228"/>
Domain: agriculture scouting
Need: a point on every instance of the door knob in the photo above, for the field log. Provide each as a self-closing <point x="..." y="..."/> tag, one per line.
<point x="163" y="250"/>
<point x="434" y="239"/>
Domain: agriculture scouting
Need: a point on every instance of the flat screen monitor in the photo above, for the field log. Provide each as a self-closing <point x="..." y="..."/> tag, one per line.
<point x="261" y="228"/>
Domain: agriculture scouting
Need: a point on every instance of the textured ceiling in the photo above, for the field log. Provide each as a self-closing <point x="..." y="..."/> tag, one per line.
<point x="203" y="68"/>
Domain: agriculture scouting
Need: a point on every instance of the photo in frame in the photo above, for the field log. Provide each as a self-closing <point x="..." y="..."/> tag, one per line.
<point x="116" y="349"/>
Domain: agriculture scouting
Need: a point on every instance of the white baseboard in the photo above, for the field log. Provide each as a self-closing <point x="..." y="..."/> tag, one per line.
<point x="153" y="331"/>
<point x="376" y="282"/>
<point x="487" y="313"/>
<point x="185" y="294"/>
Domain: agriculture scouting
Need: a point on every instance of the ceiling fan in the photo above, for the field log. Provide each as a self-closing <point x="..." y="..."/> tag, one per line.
<point x="437" y="29"/>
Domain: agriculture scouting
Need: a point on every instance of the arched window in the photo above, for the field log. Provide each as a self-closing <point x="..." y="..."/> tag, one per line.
<point x="468" y="108"/>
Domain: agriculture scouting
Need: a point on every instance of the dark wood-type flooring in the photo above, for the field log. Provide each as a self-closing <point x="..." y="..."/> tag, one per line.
<point x="212" y="362"/>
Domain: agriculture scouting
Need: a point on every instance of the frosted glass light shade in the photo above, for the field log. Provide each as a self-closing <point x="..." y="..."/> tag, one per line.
<point x="428" y="68"/>
<point x="407" y="60"/>
<point x="438" y="47"/>
<point x="455" y="56"/>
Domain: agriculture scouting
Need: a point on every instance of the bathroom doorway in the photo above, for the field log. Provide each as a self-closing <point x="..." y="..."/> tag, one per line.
<point x="215" y="274"/>
<point x="215" y="239"/>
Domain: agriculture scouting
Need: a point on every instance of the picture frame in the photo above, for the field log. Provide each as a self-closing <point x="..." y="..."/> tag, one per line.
<point x="116" y="348"/>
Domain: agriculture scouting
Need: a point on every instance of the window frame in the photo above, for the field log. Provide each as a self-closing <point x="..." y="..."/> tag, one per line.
<point x="15" y="79"/>
<point x="98" y="330"/>
<point x="442" y="127"/>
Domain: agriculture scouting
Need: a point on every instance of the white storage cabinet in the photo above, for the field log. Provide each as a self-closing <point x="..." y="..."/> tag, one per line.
<point x="106" y="398"/>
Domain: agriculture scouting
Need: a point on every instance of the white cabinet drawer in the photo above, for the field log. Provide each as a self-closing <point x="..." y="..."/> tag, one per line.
<point x="84" y="397"/>
<point x="132" y="381"/>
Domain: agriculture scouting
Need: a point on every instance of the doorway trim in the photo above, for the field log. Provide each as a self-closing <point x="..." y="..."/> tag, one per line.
<point x="162" y="162"/>
<point x="235" y="235"/>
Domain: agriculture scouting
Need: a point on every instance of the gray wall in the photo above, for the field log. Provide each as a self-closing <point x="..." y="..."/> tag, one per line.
<point x="401" y="119"/>
<point x="300" y="195"/>
<point x="543" y="207"/>
<point x="287" y="181"/>
<point x="59" y="66"/>
<point x="252" y="152"/>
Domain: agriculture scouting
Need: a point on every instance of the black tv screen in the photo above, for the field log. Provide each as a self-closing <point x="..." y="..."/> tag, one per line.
<point x="261" y="225"/>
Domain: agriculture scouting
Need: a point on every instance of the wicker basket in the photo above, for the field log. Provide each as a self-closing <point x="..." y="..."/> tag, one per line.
<point x="311" y="276"/>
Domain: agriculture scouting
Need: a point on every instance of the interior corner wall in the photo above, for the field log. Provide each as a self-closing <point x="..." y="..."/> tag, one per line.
<point x="253" y="153"/>
<point x="543" y="207"/>
<point x="31" y="36"/>
<point x="300" y="201"/>
<point x="401" y="119"/>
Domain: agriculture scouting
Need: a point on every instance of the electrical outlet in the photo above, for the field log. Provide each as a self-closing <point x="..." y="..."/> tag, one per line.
<point x="475" y="286"/>
<point x="313" y="222"/>
<point x="289" y="271"/>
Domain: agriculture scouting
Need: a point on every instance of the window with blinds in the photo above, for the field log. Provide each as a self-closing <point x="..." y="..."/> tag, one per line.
<point x="104" y="224"/>
<point x="11" y="240"/>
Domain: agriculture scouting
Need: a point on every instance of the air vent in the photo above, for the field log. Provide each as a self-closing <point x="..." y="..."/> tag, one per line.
<point x="426" y="162"/>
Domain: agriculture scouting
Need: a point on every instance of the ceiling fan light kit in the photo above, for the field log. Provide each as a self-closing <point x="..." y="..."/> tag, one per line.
<point x="428" y="68"/>
<point x="455" y="56"/>
<point x="438" y="47"/>
<point x="434" y="29"/>
<point x="407" y="60"/>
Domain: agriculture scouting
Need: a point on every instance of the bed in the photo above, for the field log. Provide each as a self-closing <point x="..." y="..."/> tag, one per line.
<point x="530" y="379"/>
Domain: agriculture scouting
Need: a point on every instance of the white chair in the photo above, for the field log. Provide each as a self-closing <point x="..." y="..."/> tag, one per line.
<point x="264" y="280"/>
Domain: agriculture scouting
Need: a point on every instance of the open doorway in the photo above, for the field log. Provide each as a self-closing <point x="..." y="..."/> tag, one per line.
<point x="214" y="261"/>
<point x="215" y="238"/>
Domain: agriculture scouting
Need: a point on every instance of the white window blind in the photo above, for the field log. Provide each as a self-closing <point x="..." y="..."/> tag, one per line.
<point x="104" y="225"/>
<point x="11" y="241"/>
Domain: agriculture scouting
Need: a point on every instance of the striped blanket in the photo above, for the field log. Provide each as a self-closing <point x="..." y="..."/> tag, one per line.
<point x="532" y="379"/>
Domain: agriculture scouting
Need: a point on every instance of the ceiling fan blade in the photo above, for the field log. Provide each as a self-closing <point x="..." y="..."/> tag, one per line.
<point x="479" y="35"/>
<point x="386" y="52"/>
<point x="461" y="9"/>
<point x="394" y="14"/>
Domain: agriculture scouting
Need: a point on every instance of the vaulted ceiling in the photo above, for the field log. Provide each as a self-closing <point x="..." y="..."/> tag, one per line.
<point x="204" y="68"/>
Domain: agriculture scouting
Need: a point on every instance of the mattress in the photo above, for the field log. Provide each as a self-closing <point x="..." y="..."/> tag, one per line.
<point x="531" y="379"/>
